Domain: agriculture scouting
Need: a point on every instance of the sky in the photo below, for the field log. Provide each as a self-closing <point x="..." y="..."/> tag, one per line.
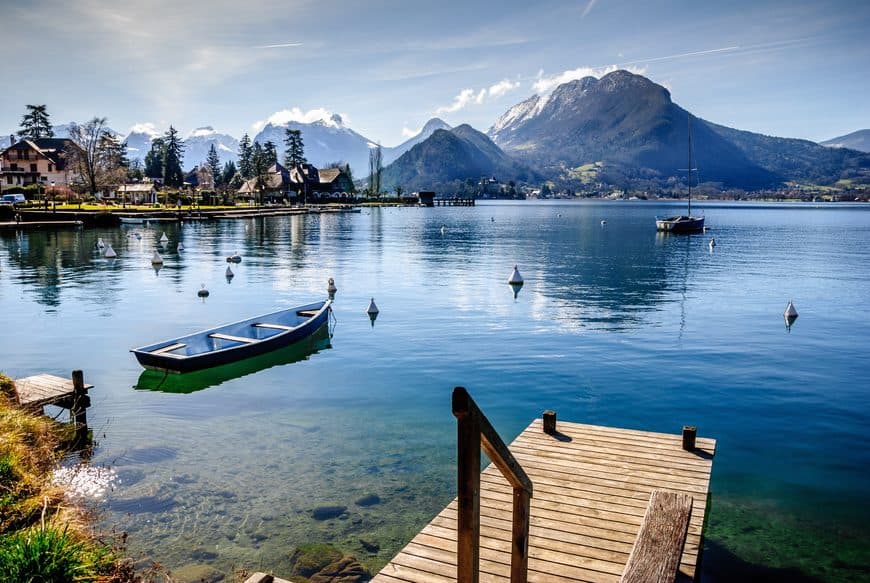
<point x="793" y="69"/>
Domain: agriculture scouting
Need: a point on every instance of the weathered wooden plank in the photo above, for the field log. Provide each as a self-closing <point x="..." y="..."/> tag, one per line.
<point x="230" y="337"/>
<point x="592" y="487"/>
<point x="656" y="554"/>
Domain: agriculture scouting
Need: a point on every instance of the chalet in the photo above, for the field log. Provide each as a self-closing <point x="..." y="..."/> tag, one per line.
<point x="39" y="161"/>
<point x="305" y="178"/>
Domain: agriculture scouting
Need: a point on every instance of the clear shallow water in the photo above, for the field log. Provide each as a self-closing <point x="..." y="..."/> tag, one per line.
<point x="615" y="325"/>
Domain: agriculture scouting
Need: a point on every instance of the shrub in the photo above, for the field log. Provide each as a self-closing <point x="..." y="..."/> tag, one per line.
<point x="50" y="554"/>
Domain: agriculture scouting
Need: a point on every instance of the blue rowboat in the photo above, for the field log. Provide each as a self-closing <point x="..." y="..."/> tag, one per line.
<point x="234" y="342"/>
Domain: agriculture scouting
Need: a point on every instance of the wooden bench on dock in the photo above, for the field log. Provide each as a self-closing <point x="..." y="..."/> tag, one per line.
<point x="608" y="505"/>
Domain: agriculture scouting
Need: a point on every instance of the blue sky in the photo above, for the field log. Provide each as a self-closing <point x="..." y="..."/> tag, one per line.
<point x="795" y="69"/>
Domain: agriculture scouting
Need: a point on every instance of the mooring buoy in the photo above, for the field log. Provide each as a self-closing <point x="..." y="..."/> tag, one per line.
<point x="156" y="259"/>
<point x="516" y="278"/>
<point x="203" y="293"/>
<point x="110" y="253"/>
<point x="330" y="287"/>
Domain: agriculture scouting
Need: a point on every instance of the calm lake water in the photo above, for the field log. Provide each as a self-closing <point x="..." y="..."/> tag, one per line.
<point x="616" y="325"/>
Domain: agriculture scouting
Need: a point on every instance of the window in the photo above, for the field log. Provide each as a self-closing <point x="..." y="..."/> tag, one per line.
<point x="8" y="180"/>
<point x="50" y="167"/>
<point x="33" y="168"/>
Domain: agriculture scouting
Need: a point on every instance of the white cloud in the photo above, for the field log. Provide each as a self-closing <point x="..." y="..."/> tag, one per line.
<point x="480" y="97"/>
<point x="278" y="46"/>
<point x="409" y="133"/>
<point x="145" y="128"/>
<point x="546" y="84"/>
<point x="296" y="114"/>
<point x="465" y="97"/>
<point x="588" y="8"/>
<point x="502" y="87"/>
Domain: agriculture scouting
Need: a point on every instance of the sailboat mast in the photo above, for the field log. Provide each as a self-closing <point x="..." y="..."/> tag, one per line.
<point x="689" y="118"/>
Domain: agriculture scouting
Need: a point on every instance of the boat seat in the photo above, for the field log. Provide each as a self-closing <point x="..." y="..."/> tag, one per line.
<point x="306" y="313"/>
<point x="275" y="326"/>
<point x="169" y="348"/>
<point x="242" y="339"/>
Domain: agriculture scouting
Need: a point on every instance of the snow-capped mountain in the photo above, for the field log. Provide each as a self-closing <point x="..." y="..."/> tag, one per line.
<point x="430" y="128"/>
<point x="198" y="142"/>
<point x="139" y="140"/>
<point x="325" y="141"/>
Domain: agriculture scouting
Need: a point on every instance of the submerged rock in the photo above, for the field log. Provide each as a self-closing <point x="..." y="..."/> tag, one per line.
<point x="327" y="512"/>
<point x="197" y="573"/>
<point x="369" y="500"/>
<point x="346" y="570"/>
<point x="369" y="544"/>
<point x="309" y="559"/>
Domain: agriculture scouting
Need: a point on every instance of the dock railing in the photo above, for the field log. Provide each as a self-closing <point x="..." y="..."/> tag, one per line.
<point x="475" y="431"/>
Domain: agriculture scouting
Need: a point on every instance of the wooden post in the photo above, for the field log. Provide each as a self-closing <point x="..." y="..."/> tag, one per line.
<point x="689" y="434"/>
<point x="468" y="461"/>
<point x="78" y="409"/>
<point x="550" y="422"/>
<point x="520" y="534"/>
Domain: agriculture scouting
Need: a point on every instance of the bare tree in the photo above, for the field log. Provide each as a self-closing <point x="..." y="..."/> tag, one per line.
<point x="96" y="156"/>
<point x="376" y="167"/>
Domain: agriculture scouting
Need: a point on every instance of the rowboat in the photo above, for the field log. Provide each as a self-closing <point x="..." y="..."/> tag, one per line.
<point x="153" y="380"/>
<point x="233" y="342"/>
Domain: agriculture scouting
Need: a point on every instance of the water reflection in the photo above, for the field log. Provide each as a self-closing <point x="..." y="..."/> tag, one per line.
<point x="151" y="380"/>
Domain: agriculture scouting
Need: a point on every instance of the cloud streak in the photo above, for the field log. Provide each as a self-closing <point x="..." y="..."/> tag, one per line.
<point x="278" y="46"/>
<point x="589" y="6"/>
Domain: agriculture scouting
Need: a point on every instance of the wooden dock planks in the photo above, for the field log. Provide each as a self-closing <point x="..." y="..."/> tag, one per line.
<point x="44" y="389"/>
<point x="591" y="490"/>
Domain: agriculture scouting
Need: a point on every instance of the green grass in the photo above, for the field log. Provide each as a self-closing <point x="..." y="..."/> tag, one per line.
<point x="43" y="538"/>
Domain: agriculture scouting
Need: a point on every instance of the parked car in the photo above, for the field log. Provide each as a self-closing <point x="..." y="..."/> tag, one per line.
<point x="14" y="199"/>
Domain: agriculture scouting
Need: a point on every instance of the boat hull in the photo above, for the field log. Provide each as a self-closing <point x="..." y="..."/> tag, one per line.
<point x="233" y="342"/>
<point x="680" y="224"/>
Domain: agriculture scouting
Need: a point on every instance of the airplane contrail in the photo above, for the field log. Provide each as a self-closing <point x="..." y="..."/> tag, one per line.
<point x="681" y="55"/>
<point x="280" y="46"/>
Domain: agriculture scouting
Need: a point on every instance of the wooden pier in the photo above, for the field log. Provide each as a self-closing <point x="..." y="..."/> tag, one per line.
<point x="605" y="505"/>
<point x="35" y="392"/>
<point x="453" y="202"/>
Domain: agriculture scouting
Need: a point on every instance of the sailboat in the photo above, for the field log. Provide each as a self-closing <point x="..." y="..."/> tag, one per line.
<point x="683" y="223"/>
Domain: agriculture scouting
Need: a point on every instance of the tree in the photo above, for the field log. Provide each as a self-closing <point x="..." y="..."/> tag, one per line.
<point x="35" y="123"/>
<point x="173" y="155"/>
<point x="228" y="173"/>
<point x="135" y="172"/>
<point x="294" y="155"/>
<point x="259" y="168"/>
<point x="214" y="164"/>
<point x="376" y="167"/>
<point x="245" y="153"/>
<point x="97" y="156"/>
<point x="154" y="159"/>
<point x="271" y="153"/>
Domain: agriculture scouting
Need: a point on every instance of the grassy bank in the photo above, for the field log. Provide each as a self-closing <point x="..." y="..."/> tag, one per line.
<point x="42" y="537"/>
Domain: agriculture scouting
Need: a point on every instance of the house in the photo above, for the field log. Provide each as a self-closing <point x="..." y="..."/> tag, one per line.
<point x="40" y="161"/>
<point x="145" y="193"/>
<point x="335" y="180"/>
<point x="304" y="179"/>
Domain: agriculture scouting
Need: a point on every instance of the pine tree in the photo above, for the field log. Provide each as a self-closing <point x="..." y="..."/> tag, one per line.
<point x="228" y="172"/>
<point x="259" y="167"/>
<point x="294" y="155"/>
<point x="245" y="153"/>
<point x="214" y="164"/>
<point x="154" y="159"/>
<point x="173" y="155"/>
<point x="271" y="153"/>
<point x="35" y="123"/>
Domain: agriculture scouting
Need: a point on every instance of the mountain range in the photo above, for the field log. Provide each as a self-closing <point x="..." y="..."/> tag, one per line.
<point x="859" y="140"/>
<point x="622" y="129"/>
<point x="447" y="158"/>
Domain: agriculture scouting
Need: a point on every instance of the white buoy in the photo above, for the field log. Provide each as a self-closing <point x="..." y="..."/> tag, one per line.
<point x="712" y="242"/>
<point x="100" y="243"/>
<point x="156" y="259"/>
<point x="603" y="222"/>
<point x="229" y="273"/>
<point x="180" y="246"/>
<point x="203" y="293"/>
<point x="373" y="308"/>
<point x="235" y="258"/>
<point x="330" y="287"/>
<point x="790" y="311"/>
<point x="443" y="229"/>
<point x="164" y="238"/>
<point x="516" y="278"/>
<point x="110" y="253"/>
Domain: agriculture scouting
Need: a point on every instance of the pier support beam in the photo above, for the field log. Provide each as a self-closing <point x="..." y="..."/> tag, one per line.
<point x="689" y="434"/>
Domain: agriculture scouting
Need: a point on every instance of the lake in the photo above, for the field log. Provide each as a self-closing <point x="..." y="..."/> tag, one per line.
<point x="615" y="325"/>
